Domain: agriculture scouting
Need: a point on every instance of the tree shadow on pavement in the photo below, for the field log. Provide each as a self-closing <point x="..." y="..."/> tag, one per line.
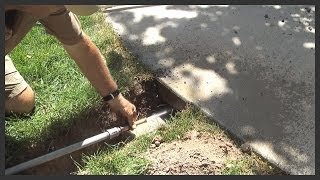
<point x="260" y="60"/>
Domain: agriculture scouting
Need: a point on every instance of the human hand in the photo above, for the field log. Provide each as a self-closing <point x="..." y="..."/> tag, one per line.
<point x="126" y="108"/>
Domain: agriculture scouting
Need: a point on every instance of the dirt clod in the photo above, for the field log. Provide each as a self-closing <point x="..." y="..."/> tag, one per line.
<point x="246" y="148"/>
<point x="157" y="143"/>
<point x="157" y="138"/>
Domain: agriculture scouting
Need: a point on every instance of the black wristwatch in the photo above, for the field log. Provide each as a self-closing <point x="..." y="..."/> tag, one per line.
<point x="111" y="96"/>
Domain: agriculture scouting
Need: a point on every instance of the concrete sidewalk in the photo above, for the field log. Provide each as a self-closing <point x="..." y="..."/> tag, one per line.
<point x="250" y="68"/>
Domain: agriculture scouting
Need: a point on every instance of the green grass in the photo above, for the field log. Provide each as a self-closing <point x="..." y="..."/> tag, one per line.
<point x="62" y="92"/>
<point x="117" y="160"/>
<point x="240" y="166"/>
<point x="250" y="165"/>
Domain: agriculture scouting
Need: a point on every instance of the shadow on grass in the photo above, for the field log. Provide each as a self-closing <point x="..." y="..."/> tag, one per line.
<point x="115" y="61"/>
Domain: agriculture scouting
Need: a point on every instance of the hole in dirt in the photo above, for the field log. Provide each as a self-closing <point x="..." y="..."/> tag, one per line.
<point x="144" y="94"/>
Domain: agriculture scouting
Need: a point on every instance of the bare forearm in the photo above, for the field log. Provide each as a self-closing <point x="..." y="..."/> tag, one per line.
<point x="92" y="65"/>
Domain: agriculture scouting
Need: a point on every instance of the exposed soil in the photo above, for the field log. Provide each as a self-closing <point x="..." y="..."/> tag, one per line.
<point x="197" y="153"/>
<point x="96" y="120"/>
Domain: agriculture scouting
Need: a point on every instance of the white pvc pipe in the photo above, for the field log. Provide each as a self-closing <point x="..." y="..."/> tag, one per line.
<point x="109" y="134"/>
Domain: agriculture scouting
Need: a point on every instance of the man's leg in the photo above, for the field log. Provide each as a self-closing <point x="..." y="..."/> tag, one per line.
<point x="20" y="98"/>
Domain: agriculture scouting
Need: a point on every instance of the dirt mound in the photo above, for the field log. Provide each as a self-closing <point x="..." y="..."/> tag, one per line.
<point x="196" y="154"/>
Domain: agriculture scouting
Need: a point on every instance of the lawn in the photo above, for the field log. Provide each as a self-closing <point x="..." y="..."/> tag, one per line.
<point x="62" y="92"/>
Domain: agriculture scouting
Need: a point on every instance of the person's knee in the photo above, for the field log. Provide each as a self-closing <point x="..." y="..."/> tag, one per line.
<point x="23" y="103"/>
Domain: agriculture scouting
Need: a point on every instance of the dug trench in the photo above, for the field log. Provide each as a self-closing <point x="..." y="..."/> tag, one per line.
<point x="197" y="153"/>
<point x="147" y="99"/>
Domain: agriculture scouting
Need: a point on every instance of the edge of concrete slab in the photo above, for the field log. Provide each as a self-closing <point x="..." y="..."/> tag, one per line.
<point x="179" y="102"/>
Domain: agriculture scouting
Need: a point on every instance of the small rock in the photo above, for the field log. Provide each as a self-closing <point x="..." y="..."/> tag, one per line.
<point x="229" y="144"/>
<point x="197" y="154"/>
<point x="187" y="136"/>
<point x="204" y="165"/>
<point x="246" y="148"/>
<point x="157" y="138"/>
<point x="224" y="149"/>
<point x="157" y="143"/>
<point x="195" y="134"/>
<point x="218" y="165"/>
<point x="266" y="16"/>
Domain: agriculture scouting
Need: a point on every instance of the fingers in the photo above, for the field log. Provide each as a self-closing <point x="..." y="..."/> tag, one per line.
<point x="135" y="113"/>
<point x="126" y="108"/>
<point x="132" y="117"/>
